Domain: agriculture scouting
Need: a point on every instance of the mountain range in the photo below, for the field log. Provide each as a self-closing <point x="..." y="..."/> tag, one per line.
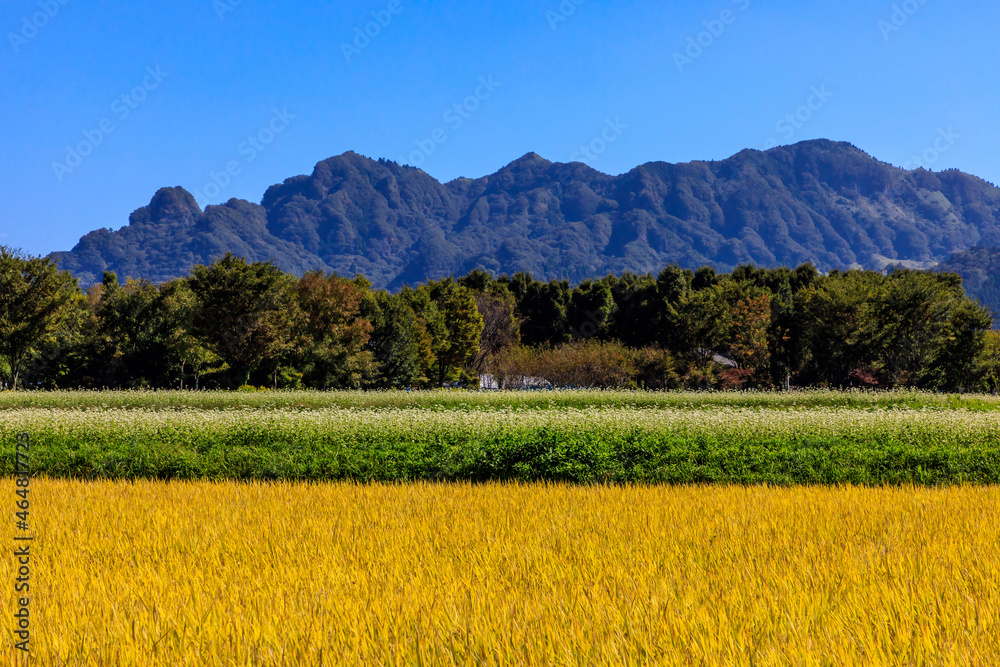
<point x="819" y="201"/>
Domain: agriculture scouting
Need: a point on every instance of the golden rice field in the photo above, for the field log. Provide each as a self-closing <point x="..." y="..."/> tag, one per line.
<point x="200" y="573"/>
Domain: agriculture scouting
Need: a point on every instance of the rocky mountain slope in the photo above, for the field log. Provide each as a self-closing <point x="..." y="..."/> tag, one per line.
<point x="819" y="201"/>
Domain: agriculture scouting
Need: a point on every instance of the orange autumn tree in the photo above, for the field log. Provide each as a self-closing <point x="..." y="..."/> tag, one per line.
<point x="749" y="321"/>
<point x="330" y="336"/>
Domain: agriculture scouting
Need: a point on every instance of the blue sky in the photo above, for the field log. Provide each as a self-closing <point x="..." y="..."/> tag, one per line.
<point x="105" y="101"/>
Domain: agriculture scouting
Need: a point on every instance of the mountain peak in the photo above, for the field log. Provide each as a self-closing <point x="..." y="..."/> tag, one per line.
<point x="531" y="159"/>
<point x="353" y="157"/>
<point x="818" y="200"/>
<point x="174" y="203"/>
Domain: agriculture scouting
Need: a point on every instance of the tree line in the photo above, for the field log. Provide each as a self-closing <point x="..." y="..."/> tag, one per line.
<point x="234" y="324"/>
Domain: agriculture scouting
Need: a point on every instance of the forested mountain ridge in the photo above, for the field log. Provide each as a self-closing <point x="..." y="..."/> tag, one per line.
<point x="818" y="201"/>
<point x="980" y="271"/>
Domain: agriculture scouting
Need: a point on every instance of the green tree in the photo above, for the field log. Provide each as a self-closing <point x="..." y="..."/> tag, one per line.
<point x="62" y="357"/>
<point x="135" y="326"/>
<point x="188" y="357"/>
<point x="242" y="312"/>
<point x="636" y="317"/>
<point x="35" y="298"/>
<point x="838" y="326"/>
<point x="590" y="308"/>
<point x="429" y="325"/>
<point x="544" y="307"/>
<point x="463" y="326"/>
<point x="673" y="291"/>
<point x="929" y="333"/>
<point x="990" y="362"/>
<point x="453" y="322"/>
<point x="701" y="325"/>
<point x="395" y="341"/>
